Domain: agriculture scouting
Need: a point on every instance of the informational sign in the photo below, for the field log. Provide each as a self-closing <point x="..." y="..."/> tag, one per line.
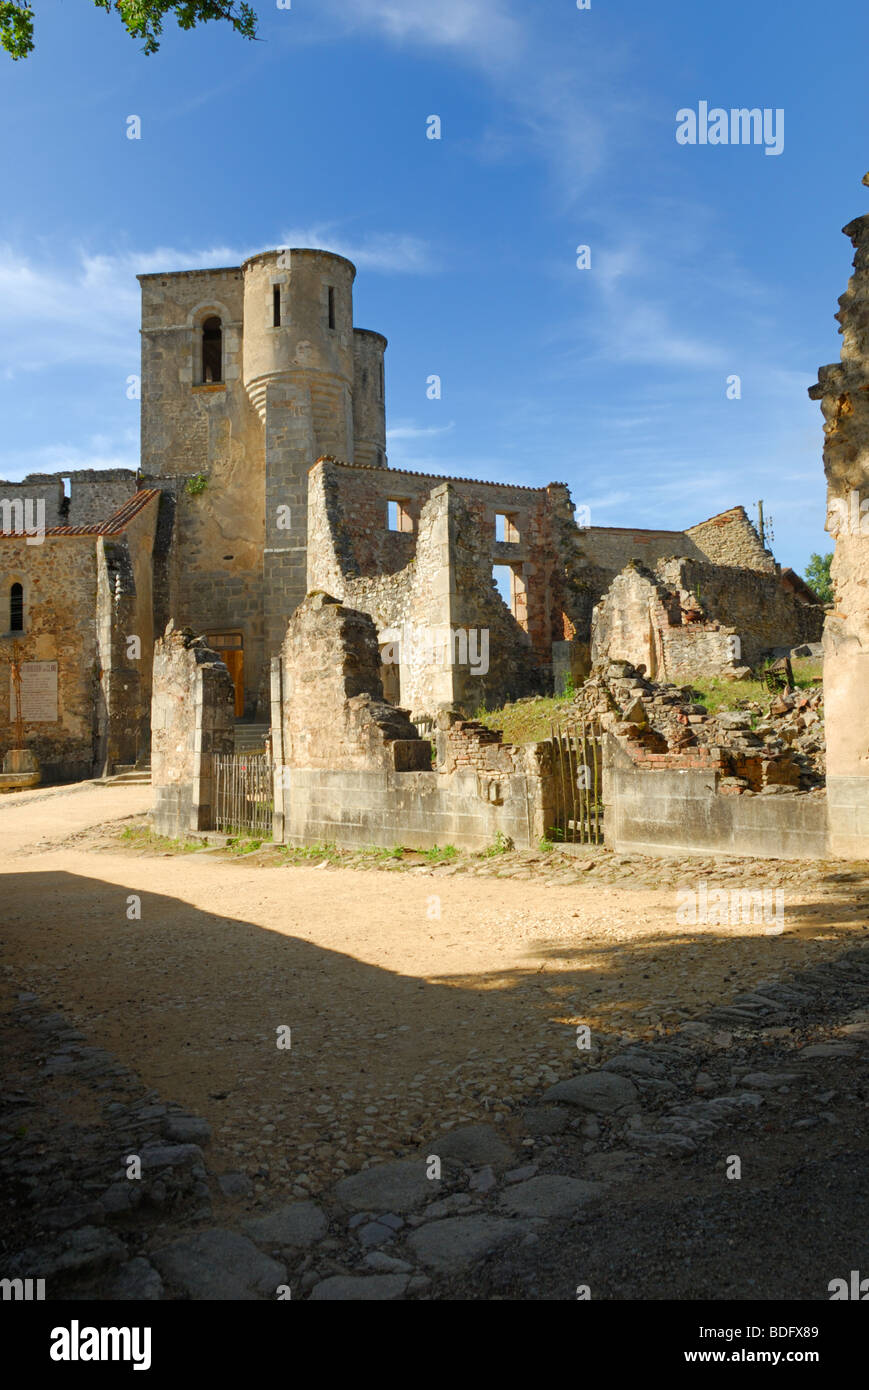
<point x="38" y="693"/>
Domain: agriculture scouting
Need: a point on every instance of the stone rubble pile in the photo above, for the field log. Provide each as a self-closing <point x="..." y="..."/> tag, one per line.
<point x="779" y="745"/>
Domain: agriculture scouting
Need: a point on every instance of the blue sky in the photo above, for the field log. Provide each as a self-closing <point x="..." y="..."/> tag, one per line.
<point x="558" y="130"/>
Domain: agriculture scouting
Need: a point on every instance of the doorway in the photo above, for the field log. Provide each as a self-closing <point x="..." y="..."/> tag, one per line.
<point x="230" y="648"/>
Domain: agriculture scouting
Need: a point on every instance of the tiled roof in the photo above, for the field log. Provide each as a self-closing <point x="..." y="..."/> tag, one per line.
<point x="435" y="477"/>
<point x="114" y="526"/>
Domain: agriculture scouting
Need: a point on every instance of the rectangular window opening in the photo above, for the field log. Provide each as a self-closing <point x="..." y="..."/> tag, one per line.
<point x="506" y="528"/>
<point x="331" y="307"/>
<point x="399" y="518"/>
<point x="276" y="306"/>
<point x="509" y="581"/>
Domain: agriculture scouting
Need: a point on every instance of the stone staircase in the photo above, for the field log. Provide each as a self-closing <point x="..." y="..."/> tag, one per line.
<point x="251" y="738"/>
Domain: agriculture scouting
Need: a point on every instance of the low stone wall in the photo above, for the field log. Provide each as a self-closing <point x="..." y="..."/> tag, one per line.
<point x="680" y="809"/>
<point x="415" y="809"/>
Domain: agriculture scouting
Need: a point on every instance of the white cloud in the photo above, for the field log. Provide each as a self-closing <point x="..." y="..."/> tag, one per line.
<point x="484" y="29"/>
<point x="563" y="110"/>
<point x="98" y="452"/>
<point x="418" y="431"/>
<point x="84" y="311"/>
<point x="387" y="252"/>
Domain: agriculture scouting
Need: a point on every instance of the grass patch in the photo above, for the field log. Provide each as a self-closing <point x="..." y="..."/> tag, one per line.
<point x="303" y="854"/>
<point x="436" y="855"/>
<point x="377" y="854"/>
<point x="717" y="694"/>
<point x="528" y="722"/>
<point x="142" y="837"/>
<point x="242" y="845"/>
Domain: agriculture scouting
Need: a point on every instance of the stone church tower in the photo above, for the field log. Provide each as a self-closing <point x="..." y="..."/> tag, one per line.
<point x="249" y="375"/>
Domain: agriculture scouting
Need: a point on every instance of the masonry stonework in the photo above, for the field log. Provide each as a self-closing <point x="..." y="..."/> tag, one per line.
<point x="191" y="721"/>
<point x="843" y="391"/>
<point x="688" y="619"/>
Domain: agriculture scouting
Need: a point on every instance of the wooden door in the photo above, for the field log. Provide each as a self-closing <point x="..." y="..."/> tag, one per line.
<point x="229" y="647"/>
<point x="234" y="660"/>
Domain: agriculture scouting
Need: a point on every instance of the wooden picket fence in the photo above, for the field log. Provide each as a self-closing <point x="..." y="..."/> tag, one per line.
<point x="577" y="764"/>
<point x="243" y="794"/>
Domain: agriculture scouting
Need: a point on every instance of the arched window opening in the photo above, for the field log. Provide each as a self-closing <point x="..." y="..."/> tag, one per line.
<point x="212" y="350"/>
<point x="16" y="608"/>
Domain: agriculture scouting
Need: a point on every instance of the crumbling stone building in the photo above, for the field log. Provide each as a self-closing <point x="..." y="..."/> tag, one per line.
<point x="686" y="619"/>
<point x="264" y="476"/>
<point x="78" y="608"/>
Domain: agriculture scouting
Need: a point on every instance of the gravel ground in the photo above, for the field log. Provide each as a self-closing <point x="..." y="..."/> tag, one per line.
<point x="420" y="1000"/>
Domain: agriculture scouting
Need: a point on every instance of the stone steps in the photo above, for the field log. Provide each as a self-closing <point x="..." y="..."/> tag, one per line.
<point x="251" y="738"/>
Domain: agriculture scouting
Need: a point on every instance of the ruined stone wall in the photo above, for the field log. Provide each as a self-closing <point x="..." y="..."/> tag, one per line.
<point x="334" y="714"/>
<point x="755" y="604"/>
<point x="645" y="621"/>
<point x="687" y="619"/>
<point x="609" y="548"/>
<point x="443" y="587"/>
<point x="36" y="487"/>
<point x="191" y="720"/>
<point x="670" y="804"/>
<point x="602" y="552"/>
<point x="210" y="561"/>
<point x="95" y="494"/>
<point x="125" y="634"/>
<point x="59" y="579"/>
<point x="731" y="539"/>
<point x="359" y="500"/>
<point x="503" y="660"/>
<point x="843" y="391"/>
<point x="352" y="770"/>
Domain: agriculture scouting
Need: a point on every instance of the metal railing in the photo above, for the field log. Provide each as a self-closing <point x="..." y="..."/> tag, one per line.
<point x="243" y="794"/>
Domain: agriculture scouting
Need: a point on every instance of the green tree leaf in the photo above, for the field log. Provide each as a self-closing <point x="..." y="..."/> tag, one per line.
<point x="817" y="576"/>
<point x="142" y="19"/>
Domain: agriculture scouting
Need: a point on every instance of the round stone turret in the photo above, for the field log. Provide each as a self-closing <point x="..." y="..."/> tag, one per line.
<point x="369" y="404"/>
<point x="298" y="330"/>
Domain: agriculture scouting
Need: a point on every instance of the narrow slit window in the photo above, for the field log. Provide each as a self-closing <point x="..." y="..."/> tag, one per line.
<point x="212" y="350"/>
<point x="276" y="307"/>
<point x="331" y="307"/>
<point x="16" y="608"/>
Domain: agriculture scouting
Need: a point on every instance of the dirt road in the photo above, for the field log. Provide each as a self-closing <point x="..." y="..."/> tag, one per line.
<point x="415" y="1001"/>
